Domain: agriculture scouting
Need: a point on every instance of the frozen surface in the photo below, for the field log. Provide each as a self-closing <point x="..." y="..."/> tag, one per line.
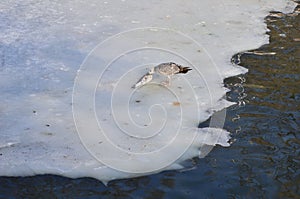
<point x="43" y="44"/>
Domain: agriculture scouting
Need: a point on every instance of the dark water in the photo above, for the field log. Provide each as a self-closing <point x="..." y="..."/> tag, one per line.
<point x="264" y="159"/>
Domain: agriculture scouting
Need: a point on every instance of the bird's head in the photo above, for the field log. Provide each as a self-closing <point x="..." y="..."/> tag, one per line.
<point x="151" y="71"/>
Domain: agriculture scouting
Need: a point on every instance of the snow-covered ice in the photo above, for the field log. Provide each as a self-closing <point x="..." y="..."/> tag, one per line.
<point x="43" y="44"/>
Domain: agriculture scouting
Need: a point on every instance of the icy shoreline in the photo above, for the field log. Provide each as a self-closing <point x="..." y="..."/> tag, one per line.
<point x="43" y="45"/>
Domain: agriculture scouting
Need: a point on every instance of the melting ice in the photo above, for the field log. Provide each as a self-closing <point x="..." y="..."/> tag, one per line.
<point x="111" y="45"/>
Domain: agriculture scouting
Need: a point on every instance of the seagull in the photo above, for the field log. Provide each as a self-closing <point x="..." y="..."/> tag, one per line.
<point x="166" y="69"/>
<point x="169" y="69"/>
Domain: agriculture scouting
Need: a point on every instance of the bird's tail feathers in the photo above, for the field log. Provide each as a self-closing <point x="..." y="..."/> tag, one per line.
<point x="184" y="69"/>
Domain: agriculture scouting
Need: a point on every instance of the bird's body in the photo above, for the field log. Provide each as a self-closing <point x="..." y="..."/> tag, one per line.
<point x="171" y="68"/>
<point x="166" y="69"/>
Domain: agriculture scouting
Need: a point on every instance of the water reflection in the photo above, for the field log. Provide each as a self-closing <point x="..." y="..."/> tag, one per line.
<point x="269" y="154"/>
